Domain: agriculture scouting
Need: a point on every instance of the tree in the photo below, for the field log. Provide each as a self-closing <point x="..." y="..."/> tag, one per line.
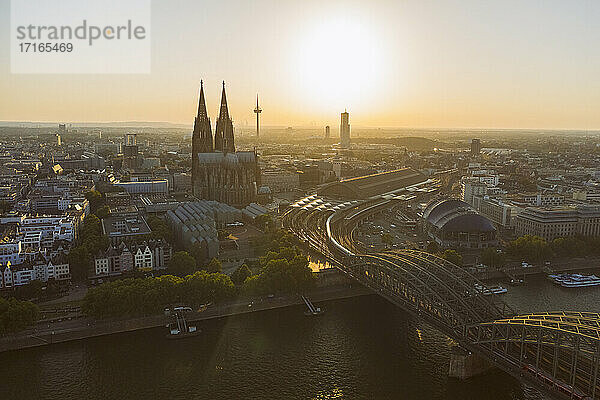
<point x="103" y="212"/>
<point x="17" y="315"/>
<point x="283" y="271"/>
<point x="79" y="261"/>
<point x="453" y="256"/>
<point x="241" y="274"/>
<point x="214" y="265"/>
<point x="92" y="226"/>
<point x="182" y="264"/>
<point x="387" y="239"/>
<point x="147" y="296"/>
<point x="5" y="206"/>
<point x="569" y="247"/>
<point x="432" y="247"/>
<point x="32" y="290"/>
<point x="199" y="252"/>
<point x="160" y="229"/>
<point x="530" y="248"/>
<point x="265" y="222"/>
<point x="95" y="199"/>
<point x="492" y="258"/>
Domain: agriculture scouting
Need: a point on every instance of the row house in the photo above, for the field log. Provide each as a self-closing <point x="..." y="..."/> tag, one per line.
<point x="151" y="255"/>
<point x="40" y="268"/>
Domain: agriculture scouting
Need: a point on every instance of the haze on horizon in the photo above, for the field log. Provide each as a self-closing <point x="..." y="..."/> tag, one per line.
<point x="416" y="63"/>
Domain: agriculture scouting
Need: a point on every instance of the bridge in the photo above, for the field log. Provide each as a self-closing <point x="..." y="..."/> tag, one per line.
<point x="556" y="352"/>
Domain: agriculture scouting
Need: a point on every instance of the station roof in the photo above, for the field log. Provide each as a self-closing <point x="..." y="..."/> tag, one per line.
<point x="364" y="187"/>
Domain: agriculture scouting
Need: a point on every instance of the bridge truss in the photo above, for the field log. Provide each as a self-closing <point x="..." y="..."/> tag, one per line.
<point x="559" y="352"/>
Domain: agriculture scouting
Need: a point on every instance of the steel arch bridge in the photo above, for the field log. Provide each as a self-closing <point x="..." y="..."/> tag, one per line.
<point x="558" y="352"/>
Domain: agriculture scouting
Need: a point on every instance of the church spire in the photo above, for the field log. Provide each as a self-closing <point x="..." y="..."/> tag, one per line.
<point x="202" y="103"/>
<point x="223" y="112"/>
<point x="202" y="140"/>
<point x="224" y="140"/>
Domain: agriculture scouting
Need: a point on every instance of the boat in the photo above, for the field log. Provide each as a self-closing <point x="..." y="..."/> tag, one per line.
<point x="180" y="328"/>
<point x="574" y="280"/>
<point x="490" y="290"/>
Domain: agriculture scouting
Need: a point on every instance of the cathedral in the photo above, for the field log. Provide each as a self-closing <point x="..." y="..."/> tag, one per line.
<point x="218" y="171"/>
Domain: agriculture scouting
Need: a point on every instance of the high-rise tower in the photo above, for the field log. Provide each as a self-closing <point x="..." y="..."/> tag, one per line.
<point x="257" y="111"/>
<point x="130" y="151"/>
<point x="224" y="140"/>
<point x="345" y="130"/>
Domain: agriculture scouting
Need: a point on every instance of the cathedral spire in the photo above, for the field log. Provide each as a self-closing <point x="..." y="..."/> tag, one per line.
<point x="202" y="140"/>
<point x="223" y="112"/>
<point x="202" y="103"/>
<point x="224" y="140"/>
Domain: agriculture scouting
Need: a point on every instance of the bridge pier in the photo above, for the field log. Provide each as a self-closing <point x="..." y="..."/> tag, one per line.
<point x="465" y="365"/>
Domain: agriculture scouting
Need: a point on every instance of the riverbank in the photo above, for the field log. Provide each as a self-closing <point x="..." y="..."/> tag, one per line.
<point x="557" y="266"/>
<point x="83" y="327"/>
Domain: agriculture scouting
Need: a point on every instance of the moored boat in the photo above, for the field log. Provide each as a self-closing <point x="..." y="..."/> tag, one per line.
<point x="574" y="280"/>
<point x="490" y="290"/>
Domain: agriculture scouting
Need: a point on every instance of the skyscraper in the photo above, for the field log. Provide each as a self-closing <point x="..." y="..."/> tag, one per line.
<point x="327" y="132"/>
<point x="475" y="146"/>
<point x="130" y="151"/>
<point x="257" y="111"/>
<point x="345" y="130"/>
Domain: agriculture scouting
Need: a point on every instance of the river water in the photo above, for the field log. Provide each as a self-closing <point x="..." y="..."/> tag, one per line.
<point x="361" y="348"/>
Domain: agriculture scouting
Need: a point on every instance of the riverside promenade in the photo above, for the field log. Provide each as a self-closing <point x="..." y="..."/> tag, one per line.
<point x="80" y="327"/>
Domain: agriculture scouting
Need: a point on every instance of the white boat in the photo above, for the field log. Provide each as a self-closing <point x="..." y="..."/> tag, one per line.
<point x="490" y="290"/>
<point x="575" y="280"/>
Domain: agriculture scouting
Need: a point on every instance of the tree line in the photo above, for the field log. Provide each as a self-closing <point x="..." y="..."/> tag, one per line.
<point x="148" y="296"/>
<point x="17" y="315"/>
<point x="535" y="248"/>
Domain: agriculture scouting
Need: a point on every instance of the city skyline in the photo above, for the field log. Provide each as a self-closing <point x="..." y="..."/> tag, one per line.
<point x="417" y="64"/>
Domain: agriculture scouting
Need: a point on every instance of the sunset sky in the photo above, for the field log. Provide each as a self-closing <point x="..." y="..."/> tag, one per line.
<point x="502" y="64"/>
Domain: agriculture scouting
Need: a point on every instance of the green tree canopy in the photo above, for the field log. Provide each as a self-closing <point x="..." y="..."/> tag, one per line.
<point x="95" y="199"/>
<point x="147" y="296"/>
<point x="103" y="212"/>
<point x="17" y="315"/>
<point x="240" y="274"/>
<point x="160" y="229"/>
<point x="199" y="252"/>
<point x="283" y="271"/>
<point x="214" y="265"/>
<point x="530" y="248"/>
<point x="182" y="264"/>
<point x="79" y="262"/>
<point x="265" y="222"/>
<point x="32" y="290"/>
<point x="432" y="247"/>
<point x="492" y="258"/>
<point x="453" y="256"/>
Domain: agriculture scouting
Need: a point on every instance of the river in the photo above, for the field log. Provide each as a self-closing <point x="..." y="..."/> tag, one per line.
<point x="361" y="348"/>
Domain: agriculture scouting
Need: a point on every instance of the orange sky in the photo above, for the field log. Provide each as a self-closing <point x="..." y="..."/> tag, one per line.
<point x="505" y="64"/>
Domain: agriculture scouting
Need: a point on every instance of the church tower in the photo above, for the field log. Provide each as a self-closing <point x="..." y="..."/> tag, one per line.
<point x="224" y="140"/>
<point x="202" y="141"/>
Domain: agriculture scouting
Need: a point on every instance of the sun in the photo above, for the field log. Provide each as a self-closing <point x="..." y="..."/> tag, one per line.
<point x="338" y="63"/>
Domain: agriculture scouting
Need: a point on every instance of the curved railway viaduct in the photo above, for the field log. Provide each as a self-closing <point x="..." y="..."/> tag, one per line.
<point x="556" y="352"/>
